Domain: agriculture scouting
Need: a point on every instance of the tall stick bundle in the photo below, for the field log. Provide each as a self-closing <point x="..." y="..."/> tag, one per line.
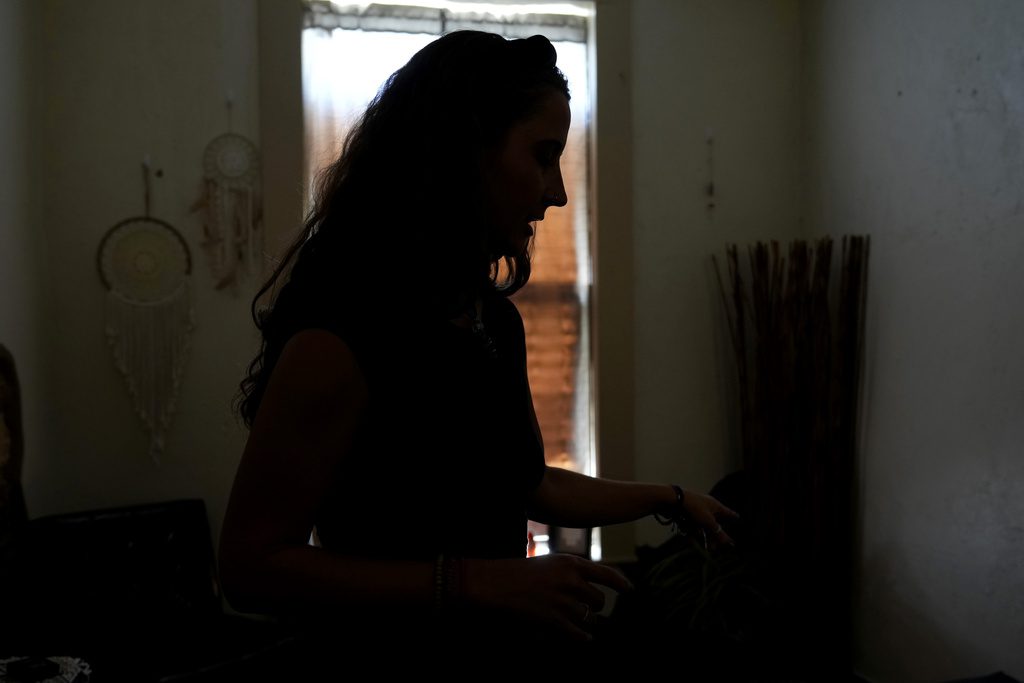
<point x="797" y="340"/>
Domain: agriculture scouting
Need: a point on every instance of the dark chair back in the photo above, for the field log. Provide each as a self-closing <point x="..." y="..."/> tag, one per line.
<point x="140" y="564"/>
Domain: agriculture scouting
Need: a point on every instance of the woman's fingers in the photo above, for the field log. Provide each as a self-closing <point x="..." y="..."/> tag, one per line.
<point x="720" y="532"/>
<point x="559" y="594"/>
<point x="575" y="629"/>
<point x="606" y="576"/>
<point x="581" y="597"/>
<point x="705" y="510"/>
<point x="578" y="620"/>
<point x="722" y="537"/>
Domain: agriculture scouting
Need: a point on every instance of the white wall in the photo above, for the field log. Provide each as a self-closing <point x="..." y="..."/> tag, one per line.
<point x="16" y="235"/>
<point x="917" y="113"/>
<point x="732" y="67"/>
<point x="119" y="81"/>
<point x="22" y="297"/>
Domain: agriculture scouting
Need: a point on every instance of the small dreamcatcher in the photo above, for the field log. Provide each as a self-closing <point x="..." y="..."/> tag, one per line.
<point x="145" y="263"/>
<point x="230" y="206"/>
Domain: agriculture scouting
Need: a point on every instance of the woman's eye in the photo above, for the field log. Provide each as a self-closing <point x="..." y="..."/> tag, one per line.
<point x="547" y="158"/>
<point x="548" y="154"/>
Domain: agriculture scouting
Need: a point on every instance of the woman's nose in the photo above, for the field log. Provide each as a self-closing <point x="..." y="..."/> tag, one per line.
<point x="556" y="195"/>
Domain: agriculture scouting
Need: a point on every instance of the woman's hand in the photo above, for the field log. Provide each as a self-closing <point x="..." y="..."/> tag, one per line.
<point x="706" y="511"/>
<point x="555" y="594"/>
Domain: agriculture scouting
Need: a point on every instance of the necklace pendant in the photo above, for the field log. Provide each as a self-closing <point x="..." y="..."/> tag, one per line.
<point x="485" y="339"/>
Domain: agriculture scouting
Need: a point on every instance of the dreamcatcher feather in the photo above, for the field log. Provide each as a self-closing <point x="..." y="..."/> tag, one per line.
<point x="231" y="208"/>
<point x="144" y="263"/>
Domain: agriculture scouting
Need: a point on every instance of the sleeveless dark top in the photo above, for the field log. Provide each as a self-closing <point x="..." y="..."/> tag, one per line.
<point x="446" y="454"/>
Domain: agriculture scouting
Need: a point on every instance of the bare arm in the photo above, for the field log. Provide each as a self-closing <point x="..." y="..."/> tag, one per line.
<point x="301" y="435"/>
<point x="570" y="499"/>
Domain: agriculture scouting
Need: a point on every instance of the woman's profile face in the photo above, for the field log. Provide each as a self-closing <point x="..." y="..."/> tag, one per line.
<point x="523" y="175"/>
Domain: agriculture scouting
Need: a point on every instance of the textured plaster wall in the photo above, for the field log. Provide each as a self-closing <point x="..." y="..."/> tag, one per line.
<point x="116" y="82"/>
<point x="916" y="113"/>
<point x="731" y="68"/>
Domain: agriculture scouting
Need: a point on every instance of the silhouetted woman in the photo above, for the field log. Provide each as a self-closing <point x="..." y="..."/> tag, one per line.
<point x="389" y="405"/>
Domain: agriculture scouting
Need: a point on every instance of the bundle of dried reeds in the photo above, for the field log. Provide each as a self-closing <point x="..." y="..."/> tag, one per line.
<point x="797" y="338"/>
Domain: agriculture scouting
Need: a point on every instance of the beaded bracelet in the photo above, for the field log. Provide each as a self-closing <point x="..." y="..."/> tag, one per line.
<point x="678" y="516"/>
<point x="447" y="582"/>
<point x="439" y="583"/>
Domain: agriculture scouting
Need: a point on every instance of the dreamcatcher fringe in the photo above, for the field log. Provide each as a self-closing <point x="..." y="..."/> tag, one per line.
<point x="150" y="343"/>
<point x="230" y="226"/>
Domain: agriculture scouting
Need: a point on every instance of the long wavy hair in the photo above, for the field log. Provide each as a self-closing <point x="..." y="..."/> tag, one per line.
<point x="402" y="211"/>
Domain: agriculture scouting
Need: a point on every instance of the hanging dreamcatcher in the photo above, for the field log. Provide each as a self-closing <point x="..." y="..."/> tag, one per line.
<point x="145" y="264"/>
<point x="230" y="206"/>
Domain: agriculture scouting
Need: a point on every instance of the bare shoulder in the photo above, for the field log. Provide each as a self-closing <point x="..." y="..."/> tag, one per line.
<point x="317" y="347"/>
<point x="318" y="352"/>
<point x="316" y="371"/>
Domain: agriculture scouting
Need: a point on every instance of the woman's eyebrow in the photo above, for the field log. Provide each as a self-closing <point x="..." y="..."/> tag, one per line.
<point x="552" y="142"/>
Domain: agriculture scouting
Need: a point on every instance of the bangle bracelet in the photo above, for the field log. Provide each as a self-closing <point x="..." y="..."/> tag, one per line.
<point x="676" y="516"/>
<point x="680" y="497"/>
